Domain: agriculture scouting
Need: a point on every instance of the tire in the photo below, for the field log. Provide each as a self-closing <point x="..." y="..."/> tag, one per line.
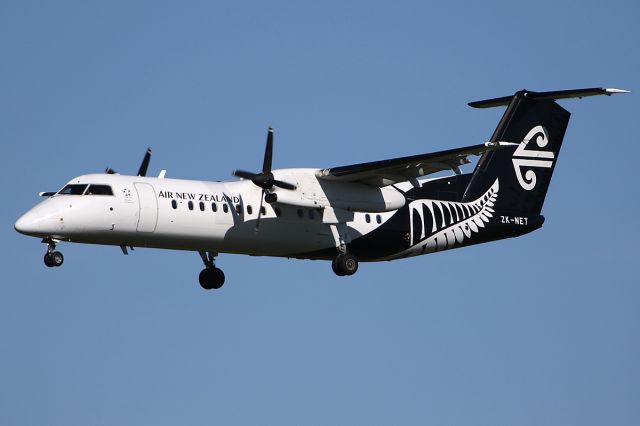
<point x="218" y="278"/>
<point x="336" y="268"/>
<point x="47" y="260"/>
<point x="205" y="279"/>
<point x="57" y="259"/>
<point x="211" y="278"/>
<point x="347" y="263"/>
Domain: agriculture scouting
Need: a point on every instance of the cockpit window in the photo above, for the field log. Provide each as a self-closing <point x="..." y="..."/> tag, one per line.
<point x="99" y="190"/>
<point x="74" y="189"/>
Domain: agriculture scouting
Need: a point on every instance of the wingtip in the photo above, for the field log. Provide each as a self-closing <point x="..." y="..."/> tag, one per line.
<point x="613" y="91"/>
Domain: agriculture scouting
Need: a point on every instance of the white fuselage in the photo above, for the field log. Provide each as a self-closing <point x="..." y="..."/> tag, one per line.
<point x="213" y="216"/>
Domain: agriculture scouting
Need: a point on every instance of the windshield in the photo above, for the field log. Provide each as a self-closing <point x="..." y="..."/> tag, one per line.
<point x="72" y="190"/>
<point x="99" y="190"/>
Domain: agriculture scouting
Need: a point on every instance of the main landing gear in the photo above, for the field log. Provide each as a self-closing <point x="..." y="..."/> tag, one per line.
<point x="52" y="258"/>
<point x="210" y="277"/>
<point x="344" y="263"/>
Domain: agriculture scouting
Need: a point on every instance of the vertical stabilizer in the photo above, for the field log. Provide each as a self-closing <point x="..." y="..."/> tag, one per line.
<point x="536" y="128"/>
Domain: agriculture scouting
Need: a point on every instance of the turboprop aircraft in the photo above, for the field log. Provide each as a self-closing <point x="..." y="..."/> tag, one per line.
<point x="382" y="210"/>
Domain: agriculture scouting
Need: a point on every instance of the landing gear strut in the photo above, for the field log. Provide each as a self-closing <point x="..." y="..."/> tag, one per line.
<point x="52" y="258"/>
<point x="210" y="277"/>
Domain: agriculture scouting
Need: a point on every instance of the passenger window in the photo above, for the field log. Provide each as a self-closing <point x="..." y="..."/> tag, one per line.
<point x="300" y="214"/>
<point x="99" y="190"/>
<point x="367" y="218"/>
<point x="190" y="205"/>
<point x="311" y="214"/>
<point x="238" y="209"/>
<point x="214" y="207"/>
<point x="225" y="208"/>
<point x="201" y="206"/>
<point x="378" y="218"/>
<point x="249" y="210"/>
<point x="263" y="211"/>
<point x="174" y="204"/>
<point x="73" y="190"/>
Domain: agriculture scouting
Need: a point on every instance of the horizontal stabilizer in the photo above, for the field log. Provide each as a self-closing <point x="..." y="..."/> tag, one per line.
<point x="554" y="95"/>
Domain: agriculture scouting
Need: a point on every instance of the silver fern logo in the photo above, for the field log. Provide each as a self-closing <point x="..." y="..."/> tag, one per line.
<point x="524" y="158"/>
<point x="439" y="225"/>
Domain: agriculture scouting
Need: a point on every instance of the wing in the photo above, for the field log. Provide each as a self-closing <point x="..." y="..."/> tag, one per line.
<point x="388" y="172"/>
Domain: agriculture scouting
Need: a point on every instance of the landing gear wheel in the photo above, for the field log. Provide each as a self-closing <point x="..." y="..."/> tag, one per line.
<point x="53" y="259"/>
<point x="348" y="264"/>
<point x="345" y="264"/>
<point x="335" y="267"/>
<point x="211" y="278"/>
<point x="57" y="259"/>
<point x="218" y="278"/>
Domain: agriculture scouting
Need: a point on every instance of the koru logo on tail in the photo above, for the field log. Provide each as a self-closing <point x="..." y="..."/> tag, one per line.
<point x="524" y="158"/>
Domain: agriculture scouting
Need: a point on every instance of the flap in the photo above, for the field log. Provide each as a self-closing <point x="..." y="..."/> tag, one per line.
<point x="387" y="172"/>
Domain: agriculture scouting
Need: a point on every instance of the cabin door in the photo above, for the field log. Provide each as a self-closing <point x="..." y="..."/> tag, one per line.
<point x="148" y="205"/>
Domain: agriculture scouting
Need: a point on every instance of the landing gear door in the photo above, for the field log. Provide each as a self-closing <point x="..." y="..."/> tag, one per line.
<point x="148" y="205"/>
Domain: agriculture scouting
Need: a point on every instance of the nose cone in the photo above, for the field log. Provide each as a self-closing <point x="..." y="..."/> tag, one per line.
<point x="40" y="221"/>
<point x="27" y="224"/>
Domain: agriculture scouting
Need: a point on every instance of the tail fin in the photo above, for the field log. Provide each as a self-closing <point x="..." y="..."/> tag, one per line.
<point x="536" y="125"/>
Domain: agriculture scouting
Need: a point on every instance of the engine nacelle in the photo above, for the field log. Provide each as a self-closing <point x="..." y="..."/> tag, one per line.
<point x="349" y="197"/>
<point x="368" y="199"/>
<point x="293" y="199"/>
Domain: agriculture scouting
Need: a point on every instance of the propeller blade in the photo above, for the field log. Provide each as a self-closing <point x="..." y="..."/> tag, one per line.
<point x="244" y="174"/>
<point x="265" y="179"/>
<point x="283" y="185"/>
<point x="142" y="171"/>
<point x="257" y="228"/>
<point x="268" y="152"/>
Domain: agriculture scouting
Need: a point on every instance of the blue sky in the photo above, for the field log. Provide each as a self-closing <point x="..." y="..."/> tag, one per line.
<point x="543" y="329"/>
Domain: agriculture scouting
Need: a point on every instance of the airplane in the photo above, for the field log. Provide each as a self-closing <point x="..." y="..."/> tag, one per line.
<point x="376" y="211"/>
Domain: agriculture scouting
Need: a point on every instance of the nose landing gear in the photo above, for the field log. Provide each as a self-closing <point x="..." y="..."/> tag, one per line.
<point x="52" y="258"/>
<point x="210" y="277"/>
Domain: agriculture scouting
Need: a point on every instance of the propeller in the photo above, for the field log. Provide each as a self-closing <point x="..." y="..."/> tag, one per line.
<point x="265" y="179"/>
<point x="142" y="171"/>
